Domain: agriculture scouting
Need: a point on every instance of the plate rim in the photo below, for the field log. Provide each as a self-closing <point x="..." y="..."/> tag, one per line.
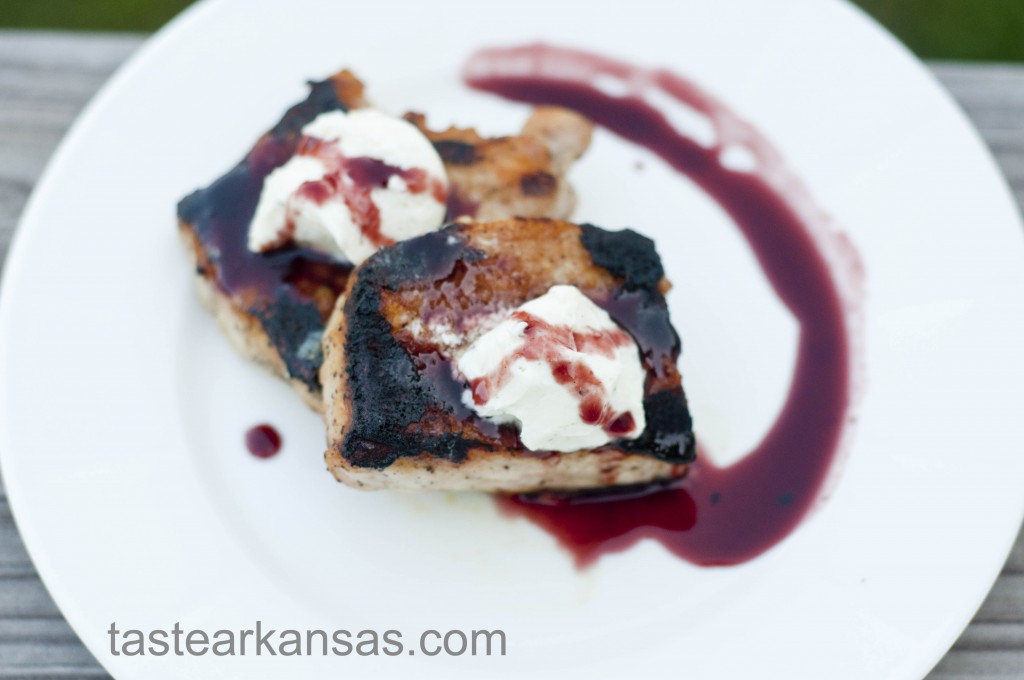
<point x="149" y="49"/>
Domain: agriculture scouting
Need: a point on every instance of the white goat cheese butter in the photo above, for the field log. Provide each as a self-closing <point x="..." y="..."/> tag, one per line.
<point x="358" y="181"/>
<point x="560" y="368"/>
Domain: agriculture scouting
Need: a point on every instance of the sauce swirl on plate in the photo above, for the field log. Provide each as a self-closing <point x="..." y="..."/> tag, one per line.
<point x="716" y="515"/>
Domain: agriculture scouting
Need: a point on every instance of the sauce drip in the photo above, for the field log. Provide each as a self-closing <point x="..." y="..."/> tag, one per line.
<point x="263" y="441"/>
<point x="716" y="515"/>
<point x="553" y="345"/>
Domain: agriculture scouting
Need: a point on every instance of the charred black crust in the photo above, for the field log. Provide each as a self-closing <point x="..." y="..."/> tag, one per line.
<point x="379" y="367"/>
<point x="298" y="328"/>
<point x="668" y="436"/>
<point x="641" y="308"/>
<point x="426" y="258"/>
<point x="454" y="152"/>
<point x="322" y="98"/>
<point x="669" y="431"/>
<point x="388" y="392"/>
<point x="625" y="254"/>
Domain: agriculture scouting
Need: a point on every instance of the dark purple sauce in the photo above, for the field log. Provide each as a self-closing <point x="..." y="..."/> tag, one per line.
<point x="222" y="214"/>
<point x="374" y="173"/>
<point x="716" y="515"/>
<point x="263" y="441"/>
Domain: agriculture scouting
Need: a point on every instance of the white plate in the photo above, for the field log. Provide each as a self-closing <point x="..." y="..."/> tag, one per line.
<point x="123" y="408"/>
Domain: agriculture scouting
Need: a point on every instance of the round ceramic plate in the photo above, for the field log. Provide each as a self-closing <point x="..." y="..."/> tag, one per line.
<point x="123" y="407"/>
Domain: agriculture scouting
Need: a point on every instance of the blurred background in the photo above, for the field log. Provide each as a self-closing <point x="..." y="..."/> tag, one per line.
<point x="979" y="30"/>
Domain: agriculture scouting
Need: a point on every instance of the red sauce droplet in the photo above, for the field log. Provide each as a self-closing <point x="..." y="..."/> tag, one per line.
<point x="591" y="410"/>
<point x="550" y="343"/>
<point x="623" y="424"/>
<point x="716" y="515"/>
<point x="561" y="373"/>
<point x="480" y="393"/>
<point x="263" y="441"/>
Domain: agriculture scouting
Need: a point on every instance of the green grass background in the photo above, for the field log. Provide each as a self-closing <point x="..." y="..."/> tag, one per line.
<point x="987" y="30"/>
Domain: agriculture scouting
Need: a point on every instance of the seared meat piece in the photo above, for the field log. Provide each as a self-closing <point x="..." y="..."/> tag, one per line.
<point x="520" y="176"/>
<point x="394" y="405"/>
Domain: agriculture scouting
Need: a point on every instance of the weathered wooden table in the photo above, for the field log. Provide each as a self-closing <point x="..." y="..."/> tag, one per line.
<point x="46" y="78"/>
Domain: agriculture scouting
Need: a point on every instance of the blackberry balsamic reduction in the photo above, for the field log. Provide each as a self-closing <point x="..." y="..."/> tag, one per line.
<point x="716" y="515"/>
<point x="263" y="441"/>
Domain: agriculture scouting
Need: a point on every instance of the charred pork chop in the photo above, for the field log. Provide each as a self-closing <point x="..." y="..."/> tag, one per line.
<point x="399" y="414"/>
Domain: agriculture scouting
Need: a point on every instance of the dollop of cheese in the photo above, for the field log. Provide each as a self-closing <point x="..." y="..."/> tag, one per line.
<point x="358" y="181"/>
<point x="560" y="368"/>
